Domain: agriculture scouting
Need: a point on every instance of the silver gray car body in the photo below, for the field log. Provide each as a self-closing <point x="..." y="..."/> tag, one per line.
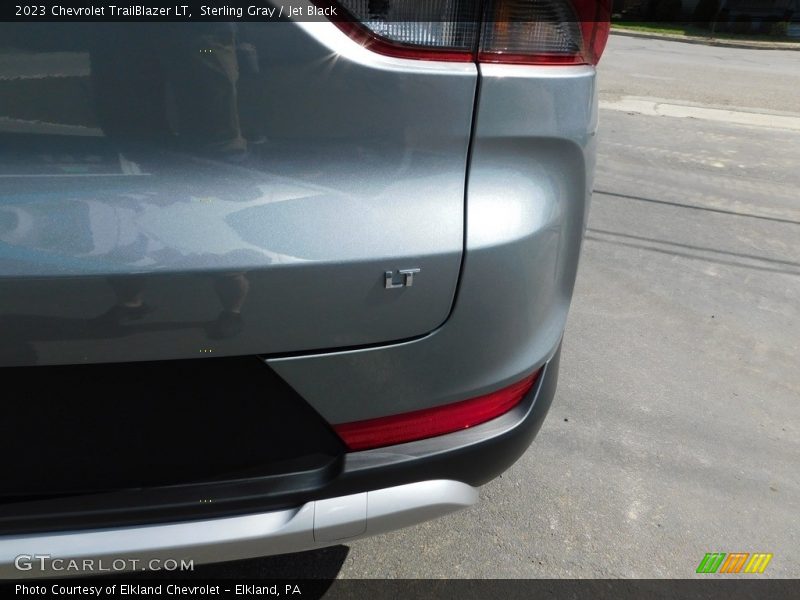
<point x="477" y="175"/>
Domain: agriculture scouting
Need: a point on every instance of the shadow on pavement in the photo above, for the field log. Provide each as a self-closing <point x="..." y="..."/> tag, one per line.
<point x="314" y="570"/>
<point x="324" y="563"/>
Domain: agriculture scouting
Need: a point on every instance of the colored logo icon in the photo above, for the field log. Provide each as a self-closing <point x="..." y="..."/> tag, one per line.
<point x="735" y="562"/>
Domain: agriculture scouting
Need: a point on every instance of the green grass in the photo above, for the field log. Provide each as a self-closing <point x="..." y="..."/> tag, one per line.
<point x="693" y="30"/>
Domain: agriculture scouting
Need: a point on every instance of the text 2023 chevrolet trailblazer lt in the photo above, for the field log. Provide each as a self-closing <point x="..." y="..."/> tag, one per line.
<point x="267" y="286"/>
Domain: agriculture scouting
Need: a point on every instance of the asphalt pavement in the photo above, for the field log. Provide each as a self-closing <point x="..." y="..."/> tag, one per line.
<point x="675" y="430"/>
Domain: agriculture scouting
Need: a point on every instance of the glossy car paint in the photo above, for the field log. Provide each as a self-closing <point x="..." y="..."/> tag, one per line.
<point x="362" y="172"/>
<point x="528" y="194"/>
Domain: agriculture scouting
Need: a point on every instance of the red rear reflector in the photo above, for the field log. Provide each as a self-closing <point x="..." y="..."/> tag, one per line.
<point x="430" y="422"/>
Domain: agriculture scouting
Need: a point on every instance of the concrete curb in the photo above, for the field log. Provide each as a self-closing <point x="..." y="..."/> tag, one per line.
<point x="689" y="39"/>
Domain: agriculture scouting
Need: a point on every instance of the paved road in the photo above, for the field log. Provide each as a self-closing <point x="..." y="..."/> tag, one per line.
<point x="760" y="80"/>
<point x="676" y="427"/>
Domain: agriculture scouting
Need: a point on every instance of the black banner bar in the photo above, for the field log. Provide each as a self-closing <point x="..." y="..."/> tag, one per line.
<point x="318" y="10"/>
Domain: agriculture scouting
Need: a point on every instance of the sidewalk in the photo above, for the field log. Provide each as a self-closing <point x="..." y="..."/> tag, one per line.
<point x="708" y="41"/>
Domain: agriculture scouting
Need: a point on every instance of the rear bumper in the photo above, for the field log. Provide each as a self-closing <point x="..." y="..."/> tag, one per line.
<point x="376" y="491"/>
<point x="313" y="525"/>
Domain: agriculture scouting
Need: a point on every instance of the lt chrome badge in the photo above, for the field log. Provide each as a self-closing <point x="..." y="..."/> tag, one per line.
<point x="405" y="278"/>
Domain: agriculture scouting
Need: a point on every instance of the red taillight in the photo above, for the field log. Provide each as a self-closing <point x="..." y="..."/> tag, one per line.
<point x="544" y="32"/>
<point x="387" y="47"/>
<point x="595" y="19"/>
<point x="532" y="32"/>
<point x="430" y="422"/>
<point x="426" y="30"/>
